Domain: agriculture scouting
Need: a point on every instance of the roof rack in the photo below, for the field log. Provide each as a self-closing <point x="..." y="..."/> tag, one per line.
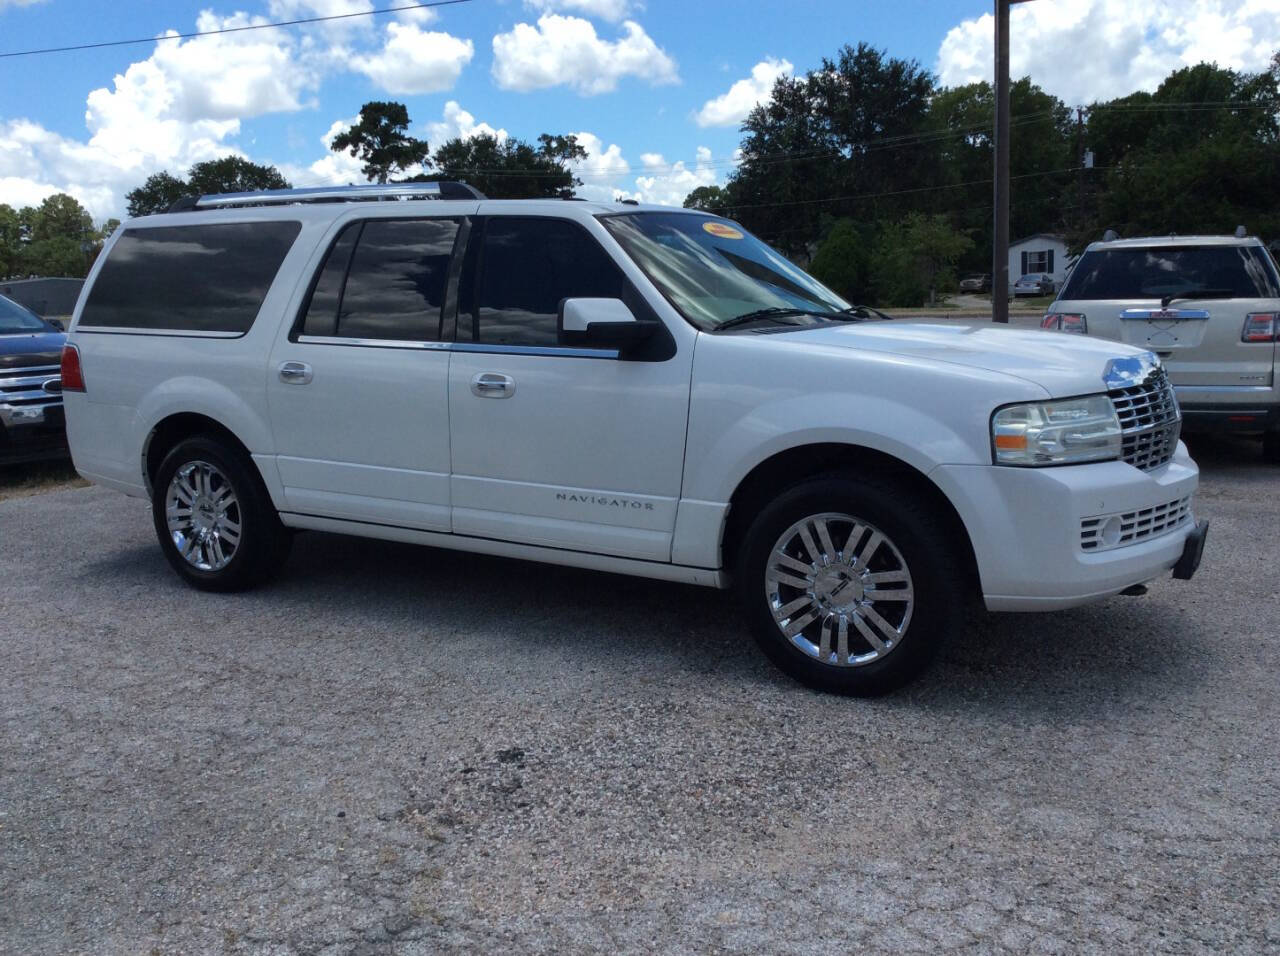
<point x="375" y="192"/>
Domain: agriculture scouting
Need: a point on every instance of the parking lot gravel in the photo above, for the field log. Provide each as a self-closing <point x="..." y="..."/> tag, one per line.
<point x="403" y="750"/>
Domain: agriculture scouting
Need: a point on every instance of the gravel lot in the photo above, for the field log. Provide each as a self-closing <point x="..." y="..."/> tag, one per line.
<point x="400" y="750"/>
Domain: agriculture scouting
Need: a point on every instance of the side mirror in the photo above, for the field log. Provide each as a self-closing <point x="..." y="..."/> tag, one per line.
<point x="601" y="323"/>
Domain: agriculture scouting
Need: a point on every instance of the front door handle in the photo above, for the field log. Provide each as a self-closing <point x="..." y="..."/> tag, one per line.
<point x="493" y="385"/>
<point x="295" y="373"/>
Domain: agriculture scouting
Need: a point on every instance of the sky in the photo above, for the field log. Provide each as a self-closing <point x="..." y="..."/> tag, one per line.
<point x="655" y="90"/>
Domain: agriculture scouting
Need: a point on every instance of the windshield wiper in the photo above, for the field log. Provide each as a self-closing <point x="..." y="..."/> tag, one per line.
<point x="773" y="312"/>
<point x="777" y="312"/>
<point x="1196" y="294"/>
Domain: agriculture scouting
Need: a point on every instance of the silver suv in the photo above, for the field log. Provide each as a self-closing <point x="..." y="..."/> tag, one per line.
<point x="1209" y="306"/>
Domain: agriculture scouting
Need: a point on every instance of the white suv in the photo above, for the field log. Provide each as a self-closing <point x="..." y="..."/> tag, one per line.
<point x="643" y="390"/>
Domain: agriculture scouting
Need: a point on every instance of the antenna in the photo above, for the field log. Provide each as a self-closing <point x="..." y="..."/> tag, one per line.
<point x="1110" y="236"/>
<point x="1241" y="232"/>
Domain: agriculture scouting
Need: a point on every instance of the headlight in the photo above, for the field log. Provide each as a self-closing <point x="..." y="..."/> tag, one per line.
<point x="1064" y="432"/>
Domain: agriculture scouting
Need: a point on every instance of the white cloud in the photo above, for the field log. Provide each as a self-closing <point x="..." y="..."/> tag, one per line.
<point x="182" y="105"/>
<point x="1086" y="50"/>
<point x="565" y="51"/>
<point x="457" y="123"/>
<point x="414" y="61"/>
<point x="612" y="10"/>
<point x="668" y="183"/>
<point x="601" y="170"/>
<point x="19" y="3"/>
<point x="731" y="108"/>
<point x="332" y="169"/>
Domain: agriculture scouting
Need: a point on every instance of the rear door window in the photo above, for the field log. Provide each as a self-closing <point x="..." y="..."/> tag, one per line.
<point x="527" y="267"/>
<point x="203" y="278"/>
<point x="384" y="279"/>
<point x="1236" y="272"/>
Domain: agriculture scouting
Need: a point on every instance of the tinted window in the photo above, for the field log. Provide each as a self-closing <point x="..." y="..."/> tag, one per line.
<point x="527" y="267"/>
<point x="1238" y="272"/>
<point x="322" y="310"/>
<point x="206" y="278"/>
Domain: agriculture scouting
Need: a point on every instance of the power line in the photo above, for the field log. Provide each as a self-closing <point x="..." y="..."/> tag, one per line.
<point x="893" y="192"/>
<point x="255" y="26"/>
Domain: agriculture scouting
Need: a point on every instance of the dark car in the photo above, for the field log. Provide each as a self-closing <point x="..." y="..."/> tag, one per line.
<point x="32" y="425"/>
<point x="976" y="283"/>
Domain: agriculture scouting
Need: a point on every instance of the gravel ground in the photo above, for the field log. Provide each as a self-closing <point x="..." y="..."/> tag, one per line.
<point x="400" y="750"/>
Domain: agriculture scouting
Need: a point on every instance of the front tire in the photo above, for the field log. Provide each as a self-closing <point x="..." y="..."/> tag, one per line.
<point x="214" y="518"/>
<point x="848" y="587"/>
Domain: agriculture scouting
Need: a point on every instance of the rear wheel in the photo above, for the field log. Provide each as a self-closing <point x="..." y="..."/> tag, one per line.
<point x="847" y="587"/>
<point x="216" y="525"/>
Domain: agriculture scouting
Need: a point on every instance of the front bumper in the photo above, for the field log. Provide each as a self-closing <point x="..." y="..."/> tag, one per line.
<point x="32" y="433"/>
<point x="1028" y="527"/>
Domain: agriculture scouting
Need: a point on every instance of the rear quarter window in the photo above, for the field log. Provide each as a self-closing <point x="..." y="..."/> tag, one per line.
<point x="202" y="278"/>
<point x="1238" y="272"/>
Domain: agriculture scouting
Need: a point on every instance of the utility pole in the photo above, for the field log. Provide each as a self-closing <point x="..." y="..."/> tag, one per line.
<point x="1080" y="169"/>
<point x="1000" y="247"/>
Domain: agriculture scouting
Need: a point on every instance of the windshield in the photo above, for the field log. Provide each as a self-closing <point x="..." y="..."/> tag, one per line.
<point x="1233" y="272"/>
<point x="713" y="270"/>
<point x="16" y="319"/>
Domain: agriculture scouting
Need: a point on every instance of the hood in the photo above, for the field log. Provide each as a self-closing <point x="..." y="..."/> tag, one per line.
<point x="31" y="348"/>
<point x="1061" y="364"/>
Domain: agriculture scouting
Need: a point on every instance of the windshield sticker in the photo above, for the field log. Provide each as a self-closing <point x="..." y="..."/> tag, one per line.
<point x="722" y="230"/>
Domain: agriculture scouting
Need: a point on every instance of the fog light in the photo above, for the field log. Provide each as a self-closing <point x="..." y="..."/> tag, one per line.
<point x="1111" y="531"/>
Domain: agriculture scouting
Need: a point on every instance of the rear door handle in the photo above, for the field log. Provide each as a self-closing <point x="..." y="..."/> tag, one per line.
<point x="493" y="385"/>
<point x="295" y="373"/>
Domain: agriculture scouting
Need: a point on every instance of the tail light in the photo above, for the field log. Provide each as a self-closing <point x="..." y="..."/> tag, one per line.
<point x="72" y="377"/>
<point x="1261" y="327"/>
<point x="1065" y="322"/>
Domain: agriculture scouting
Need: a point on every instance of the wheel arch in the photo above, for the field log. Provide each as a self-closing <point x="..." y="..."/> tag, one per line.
<point x="178" y="427"/>
<point x="792" y="466"/>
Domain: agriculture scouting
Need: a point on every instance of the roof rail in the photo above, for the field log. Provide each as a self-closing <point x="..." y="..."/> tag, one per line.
<point x="376" y="192"/>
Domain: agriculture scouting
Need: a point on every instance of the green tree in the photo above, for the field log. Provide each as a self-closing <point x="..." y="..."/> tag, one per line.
<point x="1041" y="153"/>
<point x="1199" y="155"/>
<point x="10" y="241"/>
<point x="510" y="168"/>
<point x="233" y="174"/>
<point x="230" y="174"/>
<point x="158" y="193"/>
<point x="843" y="260"/>
<point x="381" y="141"/>
<point x="915" y="258"/>
<point x="842" y="140"/>
<point x="61" y="216"/>
<point x="60" y="256"/>
<point x="708" y="198"/>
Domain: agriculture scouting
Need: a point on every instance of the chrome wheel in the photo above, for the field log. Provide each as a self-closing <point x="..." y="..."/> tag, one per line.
<point x="203" y="516"/>
<point x="839" y="590"/>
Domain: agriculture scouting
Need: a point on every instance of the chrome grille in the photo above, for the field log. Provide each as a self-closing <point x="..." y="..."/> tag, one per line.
<point x="1150" y="421"/>
<point x="25" y="386"/>
<point x="1104" y="532"/>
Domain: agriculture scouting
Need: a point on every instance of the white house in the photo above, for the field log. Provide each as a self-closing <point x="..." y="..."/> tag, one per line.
<point x="1043" y="252"/>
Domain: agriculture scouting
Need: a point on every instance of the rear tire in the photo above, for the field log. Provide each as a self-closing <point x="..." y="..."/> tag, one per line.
<point x="847" y="587"/>
<point x="214" y="518"/>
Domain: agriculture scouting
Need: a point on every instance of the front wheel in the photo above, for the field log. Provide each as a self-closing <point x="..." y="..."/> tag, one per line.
<point x="849" y="588"/>
<point x="215" y="521"/>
